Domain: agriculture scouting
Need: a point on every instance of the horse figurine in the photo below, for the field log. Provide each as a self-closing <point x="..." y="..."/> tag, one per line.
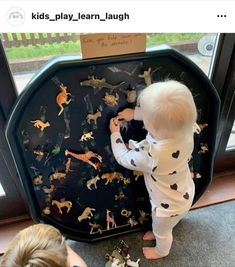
<point x="62" y="204"/>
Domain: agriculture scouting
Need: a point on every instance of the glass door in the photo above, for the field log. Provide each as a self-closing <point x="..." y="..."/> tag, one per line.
<point x="12" y="204"/>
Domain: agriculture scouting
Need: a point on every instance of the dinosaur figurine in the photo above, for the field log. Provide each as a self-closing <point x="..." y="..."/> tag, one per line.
<point x="99" y="83"/>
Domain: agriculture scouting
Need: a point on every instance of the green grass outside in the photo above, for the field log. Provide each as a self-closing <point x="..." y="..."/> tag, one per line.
<point x="22" y="52"/>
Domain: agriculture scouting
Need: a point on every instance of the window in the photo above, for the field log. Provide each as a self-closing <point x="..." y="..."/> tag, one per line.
<point x="27" y="52"/>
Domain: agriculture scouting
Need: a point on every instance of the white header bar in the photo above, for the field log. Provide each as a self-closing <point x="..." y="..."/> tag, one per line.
<point x="117" y="16"/>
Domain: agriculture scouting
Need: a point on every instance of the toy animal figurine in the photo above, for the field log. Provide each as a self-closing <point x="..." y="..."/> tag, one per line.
<point x="146" y="76"/>
<point x="96" y="227"/>
<point x="131" y="263"/>
<point x="48" y="190"/>
<point x="40" y="124"/>
<point x="86" y="136"/>
<point x="203" y="149"/>
<point x="87" y="214"/>
<point x="202" y="126"/>
<point x="143" y="216"/>
<point x="137" y="174"/>
<point x="120" y="196"/>
<point x="126" y="181"/>
<point x="110" y="220"/>
<point x="111" y="100"/>
<point x="46" y="211"/>
<point x="93" y="117"/>
<point x="110" y="176"/>
<point x="132" y="221"/>
<point x="37" y="180"/>
<point x="117" y="263"/>
<point x="62" y="204"/>
<point x="131" y="95"/>
<point x="38" y="152"/>
<point x="85" y="157"/>
<point x="99" y="83"/>
<point x="62" y="98"/>
<point x="126" y="255"/>
<point x="125" y="213"/>
<point x="55" y="150"/>
<point x="57" y="176"/>
<point x="68" y="165"/>
<point x="92" y="182"/>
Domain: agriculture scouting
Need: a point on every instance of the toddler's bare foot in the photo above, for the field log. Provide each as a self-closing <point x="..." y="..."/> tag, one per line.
<point x="149" y="236"/>
<point x="151" y="254"/>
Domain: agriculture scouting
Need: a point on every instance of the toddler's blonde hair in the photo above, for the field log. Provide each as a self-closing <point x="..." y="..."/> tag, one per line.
<point x="39" y="245"/>
<point x="168" y="109"/>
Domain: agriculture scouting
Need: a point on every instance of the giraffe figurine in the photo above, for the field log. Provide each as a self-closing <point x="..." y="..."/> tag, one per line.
<point x="85" y="157"/>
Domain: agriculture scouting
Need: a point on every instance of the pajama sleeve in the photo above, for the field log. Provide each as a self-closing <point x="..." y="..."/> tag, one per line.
<point x="138" y="158"/>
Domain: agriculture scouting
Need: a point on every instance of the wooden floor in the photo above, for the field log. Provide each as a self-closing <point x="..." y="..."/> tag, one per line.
<point x="221" y="189"/>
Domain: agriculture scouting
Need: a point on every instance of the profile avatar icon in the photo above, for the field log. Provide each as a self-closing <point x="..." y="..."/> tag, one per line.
<point x="15" y="16"/>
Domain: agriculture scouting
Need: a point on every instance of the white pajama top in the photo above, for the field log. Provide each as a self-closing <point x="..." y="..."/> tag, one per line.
<point x="164" y="164"/>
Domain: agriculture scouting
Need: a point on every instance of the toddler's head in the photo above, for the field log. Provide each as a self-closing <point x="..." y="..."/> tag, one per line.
<point x="168" y="109"/>
<point x="40" y="245"/>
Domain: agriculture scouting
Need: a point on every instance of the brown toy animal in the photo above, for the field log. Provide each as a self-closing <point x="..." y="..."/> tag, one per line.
<point x="85" y="157"/>
<point x="110" y="176"/>
<point x="62" y="98"/>
<point x="40" y="124"/>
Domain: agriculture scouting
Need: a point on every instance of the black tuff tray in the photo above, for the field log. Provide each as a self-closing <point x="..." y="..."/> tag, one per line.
<point x="40" y="155"/>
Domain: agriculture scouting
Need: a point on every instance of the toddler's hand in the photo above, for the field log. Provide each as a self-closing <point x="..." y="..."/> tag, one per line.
<point x="114" y="125"/>
<point x="127" y="114"/>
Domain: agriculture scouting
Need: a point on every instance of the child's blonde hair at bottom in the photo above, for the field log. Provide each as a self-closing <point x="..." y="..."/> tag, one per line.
<point x="39" y="245"/>
<point x="168" y="109"/>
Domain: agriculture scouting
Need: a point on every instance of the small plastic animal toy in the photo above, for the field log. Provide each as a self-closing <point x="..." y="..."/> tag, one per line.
<point x="68" y="165"/>
<point x="120" y="196"/>
<point x="87" y="214"/>
<point x="131" y="95"/>
<point x="110" y="176"/>
<point x="93" y="117"/>
<point x="85" y="157"/>
<point x="125" y="213"/>
<point x="98" y="83"/>
<point x="92" y="182"/>
<point x="37" y="180"/>
<point x="62" y="98"/>
<point x="202" y="126"/>
<point x="111" y="100"/>
<point x="203" y="149"/>
<point x="46" y="211"/>
<point x="126" y="255"/>
<point x="62" y="204"/>
<point x="40" y="124"/>
<point x="96" y="227"/>
<point x="57" y="176"/>
<point x="110" y="220"/>
<point x="146" y="76"/>
<point x="137" y="174"/>
<point x="143" y="216"/>
<point x="86" y="136"/>
<point x="132" y="221"/>
<point x="48" y="190"/>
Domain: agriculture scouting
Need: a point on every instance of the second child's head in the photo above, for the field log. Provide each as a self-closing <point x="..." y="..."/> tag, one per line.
<point x="40" y="245"/>
<point x="168" y="109"/>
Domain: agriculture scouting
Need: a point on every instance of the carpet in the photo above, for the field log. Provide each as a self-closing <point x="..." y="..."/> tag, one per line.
<point x="204" y="238"/>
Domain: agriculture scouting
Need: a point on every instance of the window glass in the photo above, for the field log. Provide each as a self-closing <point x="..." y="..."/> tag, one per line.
<point x="231" y="141"/>
<point x="2" y="192"/>
<point x="27" y="52"/>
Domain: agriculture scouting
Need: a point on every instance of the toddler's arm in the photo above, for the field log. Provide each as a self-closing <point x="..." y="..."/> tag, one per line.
<point x="138" y="158"/>
<point x="129" y="114"/>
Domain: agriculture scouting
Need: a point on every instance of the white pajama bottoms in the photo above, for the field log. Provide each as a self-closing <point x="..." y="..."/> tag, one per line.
<point x="162" y="230"/>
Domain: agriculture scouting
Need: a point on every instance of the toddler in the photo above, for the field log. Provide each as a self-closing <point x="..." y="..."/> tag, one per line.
<point x="40" y="245"/>
<point x="169" y="114"/>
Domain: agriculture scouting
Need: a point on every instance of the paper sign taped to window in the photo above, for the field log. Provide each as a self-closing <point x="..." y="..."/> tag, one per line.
<point x="110" y="44"/>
